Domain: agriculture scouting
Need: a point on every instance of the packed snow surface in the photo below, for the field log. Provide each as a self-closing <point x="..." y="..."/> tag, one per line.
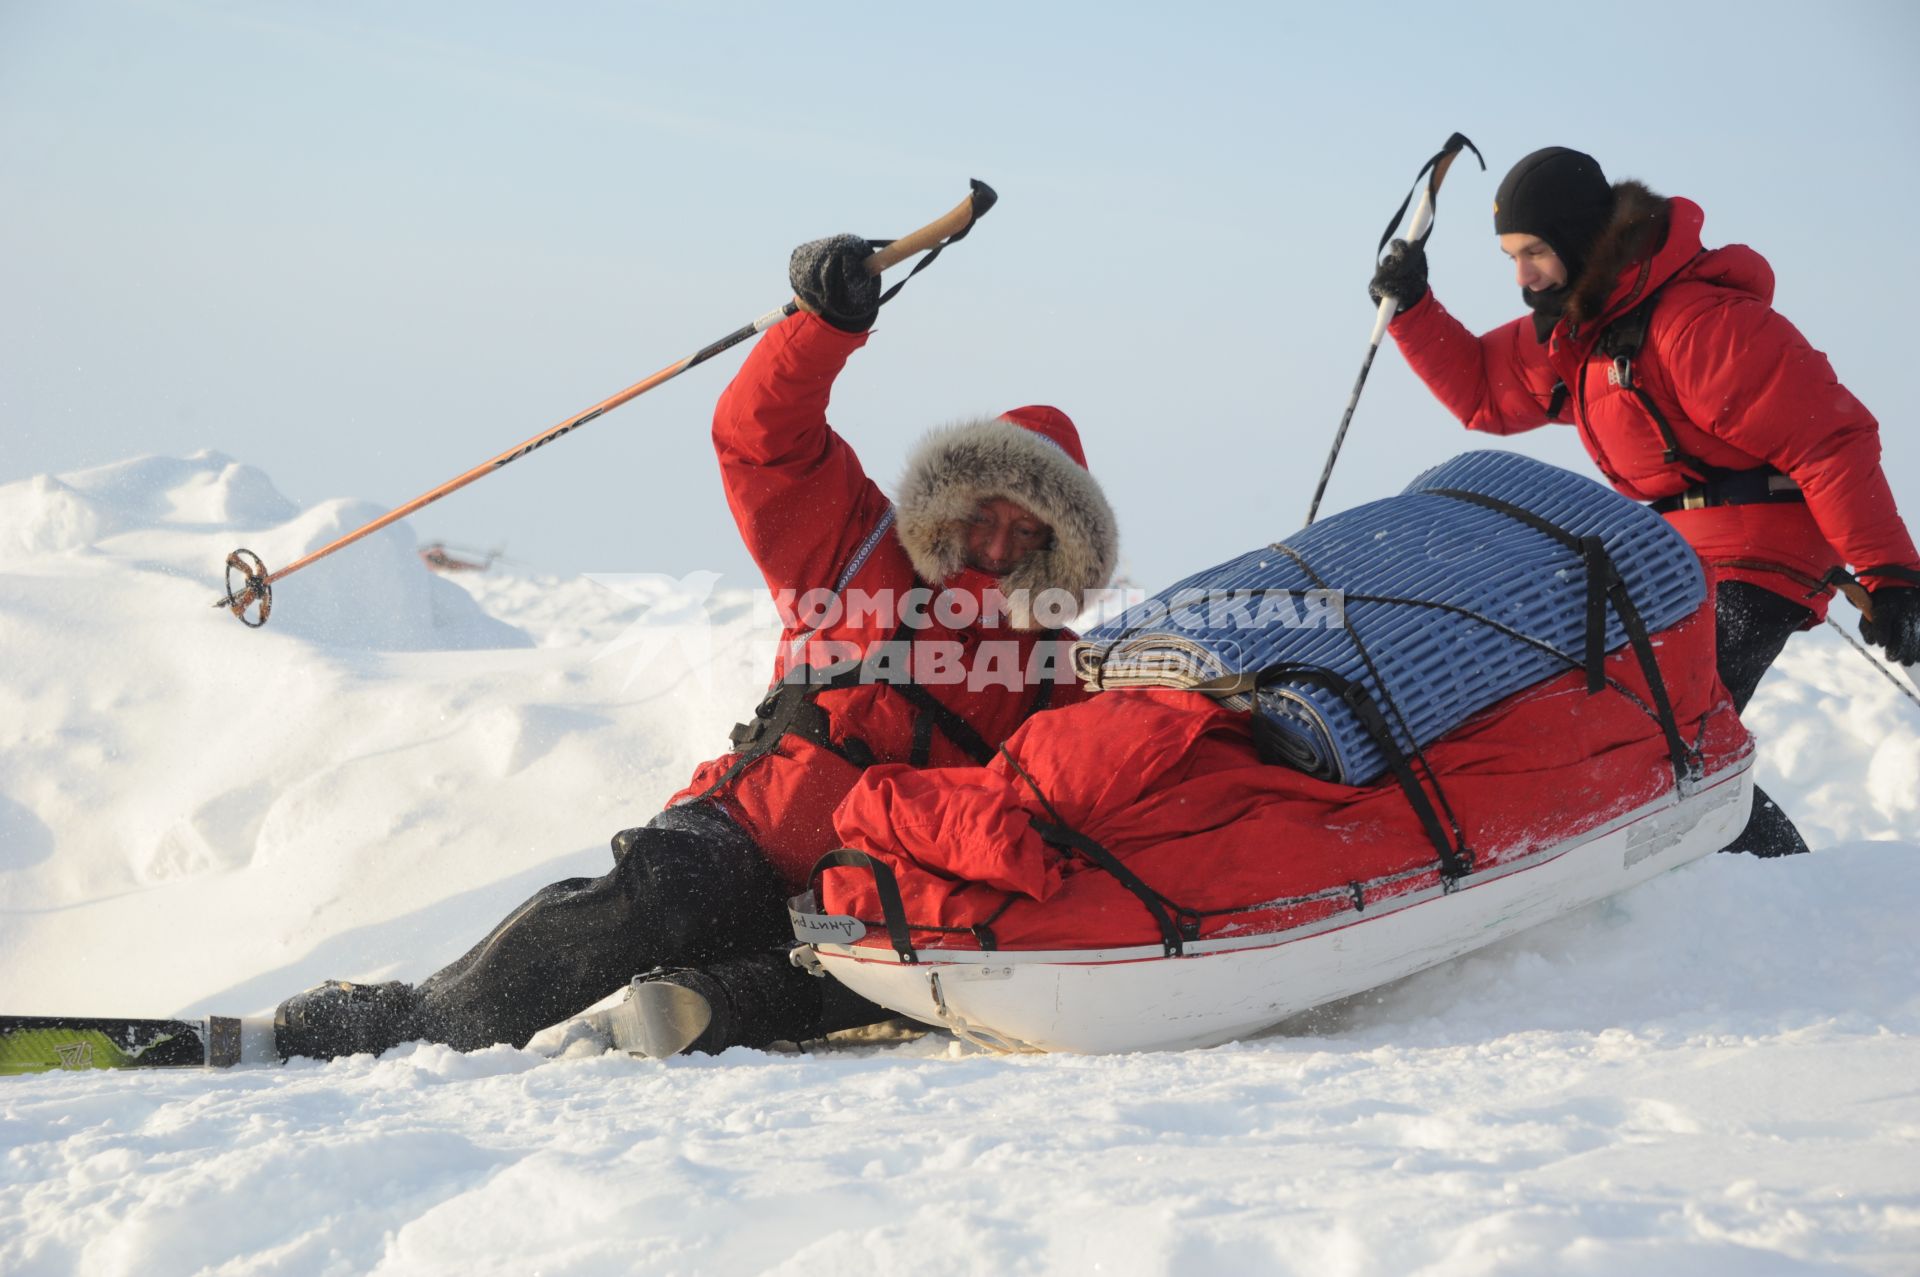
<point x="1713" y="1074"/>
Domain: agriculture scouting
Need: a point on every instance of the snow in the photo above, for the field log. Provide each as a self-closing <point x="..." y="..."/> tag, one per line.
<point x="1713" y="1074"/>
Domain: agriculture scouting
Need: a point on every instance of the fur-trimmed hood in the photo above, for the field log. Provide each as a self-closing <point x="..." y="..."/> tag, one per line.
<point x="1031" y="456"/>
<point x="1635" y="232"/>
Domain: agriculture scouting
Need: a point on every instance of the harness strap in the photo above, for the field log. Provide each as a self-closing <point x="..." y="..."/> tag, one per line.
<point x="1762" y="485"/>
<point x="1895" y="571"/>
<point x="1621" y="341"/>
<point x="935" y="714"/>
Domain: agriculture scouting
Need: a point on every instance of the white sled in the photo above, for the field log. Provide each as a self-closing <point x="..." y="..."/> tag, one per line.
<point x="1139" y="999"/>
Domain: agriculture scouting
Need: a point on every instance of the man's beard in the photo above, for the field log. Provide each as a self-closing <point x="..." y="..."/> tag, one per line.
<point x="1546" y="305"/>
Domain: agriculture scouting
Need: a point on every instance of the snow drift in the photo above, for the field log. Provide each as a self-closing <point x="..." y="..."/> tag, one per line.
<point x="1711" y="1074"/>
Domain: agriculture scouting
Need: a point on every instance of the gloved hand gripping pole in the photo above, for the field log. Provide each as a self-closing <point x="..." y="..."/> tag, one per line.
<point x="1435" y="171"/>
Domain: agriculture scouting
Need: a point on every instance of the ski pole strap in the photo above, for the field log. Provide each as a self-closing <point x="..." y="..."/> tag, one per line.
<point x="1895" y="572"/>
<point x="1437" y="167"/>
<point x="983" y="198"/>
<point x="1855" y="590"/>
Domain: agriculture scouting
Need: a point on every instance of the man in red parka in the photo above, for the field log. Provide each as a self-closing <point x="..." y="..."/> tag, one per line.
<point x="922" y="631"/>
<point x="1690" y="393"/>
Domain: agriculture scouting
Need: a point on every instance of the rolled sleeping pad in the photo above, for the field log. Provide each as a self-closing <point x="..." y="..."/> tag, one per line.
<point x="1460" y="573"/>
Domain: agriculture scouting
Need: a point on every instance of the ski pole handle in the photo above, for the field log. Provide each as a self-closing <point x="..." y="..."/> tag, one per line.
<point x="1389" y="307"/>
<point x="957" y="221"/>
<point x="1435" y="171"/>
<point x="1422" y="220"/>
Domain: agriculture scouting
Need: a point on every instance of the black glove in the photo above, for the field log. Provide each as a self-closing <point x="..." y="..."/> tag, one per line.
<point x="830" y="278"/>
<point x="1403" y="273"/>
<point x="1896" y="622"/>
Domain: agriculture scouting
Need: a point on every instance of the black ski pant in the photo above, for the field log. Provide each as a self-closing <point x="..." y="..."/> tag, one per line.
<point x="687" y="889"/>
<point x="1751" y="627"/>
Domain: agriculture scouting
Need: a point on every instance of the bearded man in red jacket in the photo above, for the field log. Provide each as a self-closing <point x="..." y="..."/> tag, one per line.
<point x="1690" y="393"/>
<point x="922" y="631"/>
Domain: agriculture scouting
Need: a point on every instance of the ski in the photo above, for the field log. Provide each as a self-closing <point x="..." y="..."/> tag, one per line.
<point x="49" y="1044"/>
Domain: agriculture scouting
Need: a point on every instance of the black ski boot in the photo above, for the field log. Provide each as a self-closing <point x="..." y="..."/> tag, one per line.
<point x="1769" y="832"/>
<point x="338" y="1018"/>
<point x="752" y="1000"/>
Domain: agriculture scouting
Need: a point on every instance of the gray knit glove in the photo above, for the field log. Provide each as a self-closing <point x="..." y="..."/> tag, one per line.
<point x="830" y="278"/>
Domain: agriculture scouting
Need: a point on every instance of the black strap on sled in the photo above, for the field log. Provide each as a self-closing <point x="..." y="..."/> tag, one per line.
<point x="1449" y="842"/>
<point x="893" y="910"/>
<point x="1605" y="588"/>
<point x="1178" y="925"/>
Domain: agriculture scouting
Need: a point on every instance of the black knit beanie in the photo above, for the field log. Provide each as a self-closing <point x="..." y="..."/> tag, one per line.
<point x="1559" y="195"/>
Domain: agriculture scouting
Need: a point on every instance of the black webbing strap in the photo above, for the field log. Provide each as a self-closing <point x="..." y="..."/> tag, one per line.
<point x="935" y="713"/>
<point x="1057" y="832"/>
<point x="1173" y="935"/>
<point x="793" y="709"/>
<point x="951" y="725"/>
<point x="1455" y="860"/>
<point x="892" y="908"/>
<point x="1605" y="587"/>
<point x="1598" y="566"/>
<point x="1557" y="402"/>
<point x="921" y="752"/>
<point x="1620" y="341"/>
<point x="983" y="199"/>
<point x="1446" y="153"/>
<point x="1893" y="570"/>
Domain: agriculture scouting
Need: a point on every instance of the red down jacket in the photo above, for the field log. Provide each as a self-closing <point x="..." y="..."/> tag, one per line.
<point x="1739" y="384"/>
<point x="1174" y="789"/>
<point x="807" y="511"/>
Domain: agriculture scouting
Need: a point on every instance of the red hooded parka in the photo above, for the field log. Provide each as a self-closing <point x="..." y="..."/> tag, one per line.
<point x="1739" y="384"/>
<point x="832" y="548"/>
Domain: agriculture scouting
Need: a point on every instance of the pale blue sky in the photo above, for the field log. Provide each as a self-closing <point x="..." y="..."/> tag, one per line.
<point x="365" y="246"/>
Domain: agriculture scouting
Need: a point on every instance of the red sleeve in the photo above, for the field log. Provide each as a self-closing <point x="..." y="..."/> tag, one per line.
<point x="1743" y="373"/>
<point x="1500" y="383"/>
<point x="797" y="491"/>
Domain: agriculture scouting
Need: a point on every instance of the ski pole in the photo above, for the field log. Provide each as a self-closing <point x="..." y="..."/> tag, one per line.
<point x="1435" y="171"/>
<point x="250" y="585"/>
<point x="1885" y="667"/>
<point x="1855" y="593"/>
